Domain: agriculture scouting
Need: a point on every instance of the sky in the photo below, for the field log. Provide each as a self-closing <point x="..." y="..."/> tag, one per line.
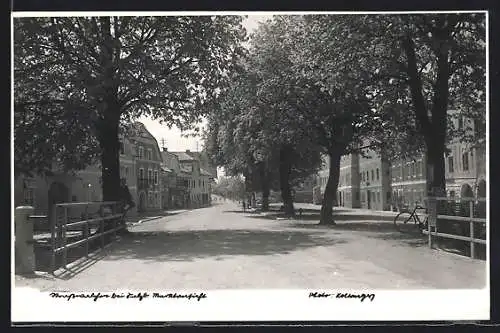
<point x="173" y="138"/>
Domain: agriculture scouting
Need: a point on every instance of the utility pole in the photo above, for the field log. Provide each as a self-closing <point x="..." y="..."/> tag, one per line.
<point x="197" y="146"/>
<point x="162" y="143"/>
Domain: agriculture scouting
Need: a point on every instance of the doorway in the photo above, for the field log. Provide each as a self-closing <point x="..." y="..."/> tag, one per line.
<point x="142" y="202"/>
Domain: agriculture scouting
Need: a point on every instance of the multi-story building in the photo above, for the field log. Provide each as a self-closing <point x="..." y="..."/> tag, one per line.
<point x="408" y="182"/>
<point x="374" y="180"/>
<point x="348" y="192"/>
<point x="42" y="192"/>
<point x="175" y="182"/>
<point x="382" y="185"/>
<point x="208" y="174"/>
<point x="148" y="162"/>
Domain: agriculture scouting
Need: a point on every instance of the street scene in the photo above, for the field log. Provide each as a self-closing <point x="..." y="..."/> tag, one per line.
<point x="250" y="152"/>
<point x="223" y="248"/>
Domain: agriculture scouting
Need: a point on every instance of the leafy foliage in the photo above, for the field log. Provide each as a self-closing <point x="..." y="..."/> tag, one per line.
<point x="83" y="75"/>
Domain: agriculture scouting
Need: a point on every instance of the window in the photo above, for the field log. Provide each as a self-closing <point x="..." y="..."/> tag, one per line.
<point x="156" y="198"/>
<point x="126" y="171"/>
<point x="363" y="176"/>
<point x="360" y="176"/>
<point x="378" y="196"/>
<point x="29" y="197"/>
<point x="377" y="174"/>
<point x="388" y="196"/>
<point x="141" y="173"/>
<point x="150" y="154"/>
<point x="367" y="175"/>
<point x="199" y="182"/>
<point x="460" y="123"/>
<point x="122" y="148"/>
<point x="465" y="161"/>
<point x="141" y="152"/>
<point x="452" y="194"/>
<point x="150" y="175"/>
<point x="450" y="164"/>
<point x="373" y="175"/>
<point x="156" y="177"/>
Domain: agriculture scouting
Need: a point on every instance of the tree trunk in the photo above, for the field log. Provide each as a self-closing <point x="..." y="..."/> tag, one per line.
<point x="285" y="169"/>
<point x="110" y="163"/>
<point x="433" y="129"/>
<point x="265" y="188"/>
<point x="330" y="194"/>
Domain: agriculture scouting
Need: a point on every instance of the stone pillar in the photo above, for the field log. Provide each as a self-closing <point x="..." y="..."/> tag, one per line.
<point x="24" y="249"/>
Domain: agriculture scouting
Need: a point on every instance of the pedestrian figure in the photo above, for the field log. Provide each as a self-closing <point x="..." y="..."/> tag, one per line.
<point x="300" y="212"/>
<point x="244" y="206"/>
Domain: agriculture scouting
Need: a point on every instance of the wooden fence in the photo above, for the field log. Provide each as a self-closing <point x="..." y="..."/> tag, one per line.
<point x="473" y="211"/>
<point x="77" y="224"/>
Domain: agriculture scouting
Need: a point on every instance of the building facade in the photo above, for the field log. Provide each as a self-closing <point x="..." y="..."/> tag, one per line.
<point x="148" y="162"/>
<point x="348" y="191"/>
<point x="391" y="186"/>
<point x="140" y="163"/>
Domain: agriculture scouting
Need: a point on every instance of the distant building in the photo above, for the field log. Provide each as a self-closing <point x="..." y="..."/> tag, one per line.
<point x="372" y="182"/>
<point x="175" y="191"/>
<point x="348" y="191"/>
<point x="200" y="181"/>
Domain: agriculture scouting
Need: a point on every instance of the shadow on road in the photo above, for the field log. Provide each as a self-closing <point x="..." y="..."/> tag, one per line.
<point x="336" y="216"/>
<point x="191" y="245"/>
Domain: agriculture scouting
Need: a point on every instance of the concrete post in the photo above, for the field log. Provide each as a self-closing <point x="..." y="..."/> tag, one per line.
<point x="24" y="249"/>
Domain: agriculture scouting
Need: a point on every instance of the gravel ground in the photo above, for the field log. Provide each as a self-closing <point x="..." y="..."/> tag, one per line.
<point x="222" y="248"/>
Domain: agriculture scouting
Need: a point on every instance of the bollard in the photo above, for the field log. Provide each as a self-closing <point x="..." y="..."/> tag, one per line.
<point x="24" y="250"/>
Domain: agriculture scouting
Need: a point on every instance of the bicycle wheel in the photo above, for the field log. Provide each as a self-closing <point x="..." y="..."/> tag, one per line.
<point x="401" y="218"/>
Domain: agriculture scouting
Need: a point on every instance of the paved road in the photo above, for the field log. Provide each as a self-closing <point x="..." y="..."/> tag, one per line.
<point x="222" y="248"/>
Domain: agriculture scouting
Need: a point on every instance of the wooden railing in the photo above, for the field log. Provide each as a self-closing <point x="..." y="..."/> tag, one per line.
<point x="438" y="212"/>
<point x="86" y="226"/>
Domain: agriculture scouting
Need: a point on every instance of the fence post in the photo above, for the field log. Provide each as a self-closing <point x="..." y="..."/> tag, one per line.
<point x="431" y="219"/>
<point x="24" y="249"/>
<point x="53" y="223"/>
<point x="471" y="227"/>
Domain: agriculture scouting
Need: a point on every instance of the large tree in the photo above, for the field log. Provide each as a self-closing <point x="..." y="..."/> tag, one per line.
<point x="324" y="89"/>
<point x="427" y="65"/>
<point x="86" y="75"/>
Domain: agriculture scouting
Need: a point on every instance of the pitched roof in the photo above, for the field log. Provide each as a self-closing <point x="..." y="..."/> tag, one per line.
<point x="206" y="173"/>
<point x="183" y="156"/>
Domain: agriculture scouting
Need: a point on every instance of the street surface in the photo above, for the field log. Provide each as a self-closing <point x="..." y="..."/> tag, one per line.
<point x="221" y="247"/>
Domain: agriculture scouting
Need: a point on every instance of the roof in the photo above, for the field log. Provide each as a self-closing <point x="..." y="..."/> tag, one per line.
<point x="206" y="173"/>
<point x="183" y="156"/>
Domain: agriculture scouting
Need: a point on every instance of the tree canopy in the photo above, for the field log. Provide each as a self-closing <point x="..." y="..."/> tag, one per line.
<point x="92" y="73"/>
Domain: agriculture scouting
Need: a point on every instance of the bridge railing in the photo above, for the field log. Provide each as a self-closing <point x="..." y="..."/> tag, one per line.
<point x="68" y="226"/>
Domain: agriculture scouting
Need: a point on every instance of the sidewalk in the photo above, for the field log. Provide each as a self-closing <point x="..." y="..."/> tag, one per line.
<point x="133" y="220"/>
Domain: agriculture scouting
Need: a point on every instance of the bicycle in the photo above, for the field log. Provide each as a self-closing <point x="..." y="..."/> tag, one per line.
<point x="403" y="218"/>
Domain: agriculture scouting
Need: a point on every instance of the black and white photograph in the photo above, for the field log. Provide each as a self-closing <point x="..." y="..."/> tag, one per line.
<point x="220" y="166"/>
